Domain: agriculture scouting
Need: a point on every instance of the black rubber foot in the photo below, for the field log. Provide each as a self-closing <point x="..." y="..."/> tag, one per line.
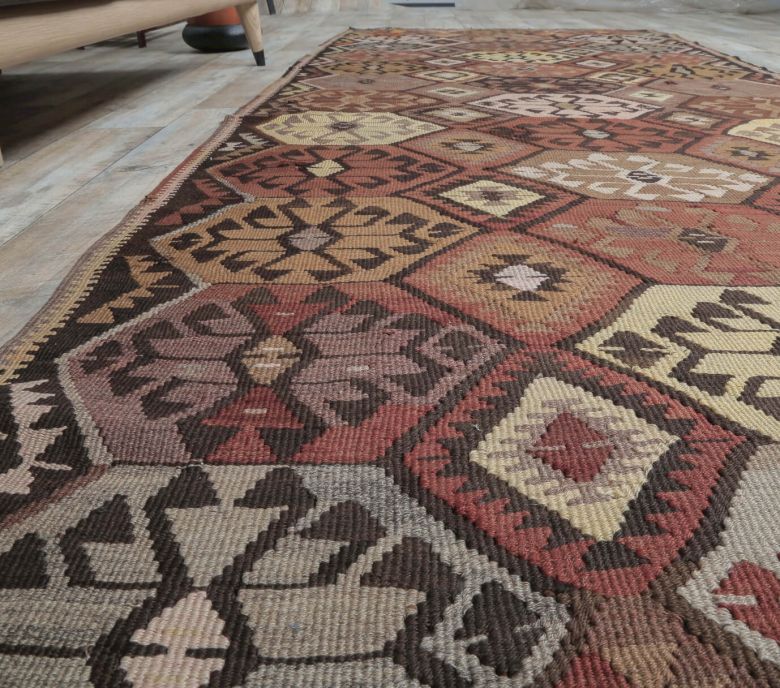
<point x="260" y="58"/>
<point x="215" y="39"/>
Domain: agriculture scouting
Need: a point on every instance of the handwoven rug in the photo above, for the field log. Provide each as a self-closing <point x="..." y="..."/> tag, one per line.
<point x="453" y="361"/>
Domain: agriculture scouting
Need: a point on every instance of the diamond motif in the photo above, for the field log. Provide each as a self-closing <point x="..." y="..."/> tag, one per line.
<point x="325" y="168"/>
<point x="594" y="477"/>
<point x="457" y="114"/>
<point x="448" y="75"/>
<point x="758" y="156"/>
<point x="573" y="447"/>
<point x="452" y="92"/>
<point x="367" y="82"/>
<point x="589" y="479"/>
<point x="470" y="148"/>
<point x="522" y="277"/>
<point x="664" y="241"/>
<point x="526" y="287"/>
<point x="492" y="197"/>
<point x="533" y="56"/>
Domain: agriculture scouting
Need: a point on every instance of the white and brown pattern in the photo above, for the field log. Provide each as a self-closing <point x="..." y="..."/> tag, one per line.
<point x="568" y="105"/>
<point x="643" y="177"/>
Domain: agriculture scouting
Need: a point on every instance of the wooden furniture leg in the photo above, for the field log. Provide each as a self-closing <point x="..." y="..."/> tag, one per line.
<point x="250" y="20"/>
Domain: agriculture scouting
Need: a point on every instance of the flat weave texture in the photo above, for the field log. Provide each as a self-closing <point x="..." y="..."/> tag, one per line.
<point x="452" y="361"/>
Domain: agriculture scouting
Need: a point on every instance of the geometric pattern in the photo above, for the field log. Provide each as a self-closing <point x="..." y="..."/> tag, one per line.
<point x="586" y="472"/>
<point x="721" y="346"/>
<point x="292" y="171"/>
<point x="492" y="197"/>
<point x="761" y="157"/>
<point x="737" y="585"/>
<point x="764" y="130"/>
<point x="573" y="452"/>
<point x="309" y="241"/>
<point x="565" y="105"/>
<point x="467" y="147"/>
<point x="593" y="134"/>
<point x="238" y="392"/>
<point x="530" y="289"/>
<point x="454" y="360"/>
<point x="643" y="177"/>
<point x="344" y="129"/>
<point x="696" y="244"/>
<point x="289" y="550"/>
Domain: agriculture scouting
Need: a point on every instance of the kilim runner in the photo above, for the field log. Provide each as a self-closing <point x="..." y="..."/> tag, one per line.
<point x="454" y="361"/>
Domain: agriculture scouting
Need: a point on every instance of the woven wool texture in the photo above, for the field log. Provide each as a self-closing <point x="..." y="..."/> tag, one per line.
<point x="453" y="361"/>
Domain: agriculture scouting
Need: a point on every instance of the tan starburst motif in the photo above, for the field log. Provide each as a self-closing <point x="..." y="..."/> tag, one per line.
<point x="309" y="241"/>
<point x="492" y="197"/>
<point x="345" y="128"/>
<point x="765" y="130"/>
<point x="641" y="176"/>
<point x="574" y="452"/>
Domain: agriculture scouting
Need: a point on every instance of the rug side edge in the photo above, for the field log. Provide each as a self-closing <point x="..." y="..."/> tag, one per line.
<point x="20" y="348"/>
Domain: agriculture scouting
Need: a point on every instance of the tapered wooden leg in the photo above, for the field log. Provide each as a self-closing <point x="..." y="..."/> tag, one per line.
<point x="250" y="19"/>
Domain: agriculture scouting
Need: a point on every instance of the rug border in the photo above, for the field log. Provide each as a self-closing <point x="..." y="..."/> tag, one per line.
<point x="21" y="348"/>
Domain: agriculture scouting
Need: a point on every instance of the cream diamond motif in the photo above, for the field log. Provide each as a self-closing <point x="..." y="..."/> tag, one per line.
<point x="325" y="168"/>
<point x="595" y="504"/>
<point x="445" y="62"/>
<point x="492" y="197"/>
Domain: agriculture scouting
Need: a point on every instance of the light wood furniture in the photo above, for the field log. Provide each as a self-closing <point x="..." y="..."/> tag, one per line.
<point x="29" y="32"/>
<point x="32" y="31"/>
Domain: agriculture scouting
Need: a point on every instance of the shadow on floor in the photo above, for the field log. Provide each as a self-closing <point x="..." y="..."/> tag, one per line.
<point x="38" y="108"/>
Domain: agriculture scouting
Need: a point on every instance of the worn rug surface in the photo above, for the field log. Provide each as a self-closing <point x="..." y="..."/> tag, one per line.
<point x="453" y="361"/>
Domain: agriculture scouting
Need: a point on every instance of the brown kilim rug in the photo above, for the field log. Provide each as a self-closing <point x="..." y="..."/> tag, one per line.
<point x="454" y="361"/>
